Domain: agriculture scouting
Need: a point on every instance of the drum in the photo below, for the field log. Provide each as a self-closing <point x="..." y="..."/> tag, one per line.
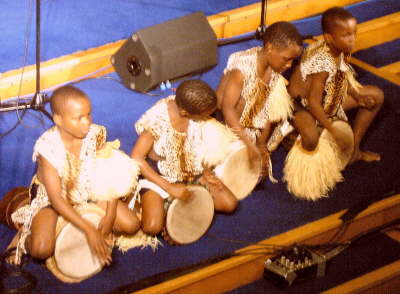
<point x="188" y="220"/>
<point x="311" y="175"/>
<point x="235" y="171"/>
<point x="345" y="152"/>
<point x="73" y="260"/>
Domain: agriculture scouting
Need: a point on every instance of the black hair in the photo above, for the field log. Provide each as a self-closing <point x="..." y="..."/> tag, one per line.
<point x="282" y="34"/>
<point x="332" y="15"/>
<point x="61" y="95"/>
<point x="195" y="96"/>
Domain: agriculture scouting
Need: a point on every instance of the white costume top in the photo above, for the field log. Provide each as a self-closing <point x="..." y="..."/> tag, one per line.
<point x="73" y="172"/>
<point x="318" y="58"/>
<point x="263" y="103"/>
<point x="182" y="154"/>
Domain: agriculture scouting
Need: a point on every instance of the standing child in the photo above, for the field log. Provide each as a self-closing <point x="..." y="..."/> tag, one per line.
<point x="64" y="155"/>
<point x="171" y="133"/>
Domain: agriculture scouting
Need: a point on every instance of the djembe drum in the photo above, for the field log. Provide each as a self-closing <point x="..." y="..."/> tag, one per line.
<point x="236" y="173"/>
<point x="312" y="174"/>
<point x="188" y="220"/>
<point x="73" y="260"/>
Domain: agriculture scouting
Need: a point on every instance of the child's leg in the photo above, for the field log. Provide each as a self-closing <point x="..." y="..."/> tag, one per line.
<point x="153" y="213"/>
<point x="305" y="124"/>
<point x="364" y="117"/>
<point x="224" y="200"/>
<point x="126" y="220"/>
<point x="40" y="243"/>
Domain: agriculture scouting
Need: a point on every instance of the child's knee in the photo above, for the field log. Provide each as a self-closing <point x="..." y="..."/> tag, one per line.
<point x="40" y="248"/>
<point x="152" y="227"/>
<point x="132" y="226"/>
<point x="230" y="206"/>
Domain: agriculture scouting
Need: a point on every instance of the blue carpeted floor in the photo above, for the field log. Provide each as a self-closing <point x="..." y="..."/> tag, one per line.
<point x="265" y="213"/>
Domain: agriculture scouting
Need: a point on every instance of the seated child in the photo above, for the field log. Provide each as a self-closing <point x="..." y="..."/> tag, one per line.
<point x="325" y="87"/>
<point x="171" y="133"/>
<point x="252" y="94"/>
<point x="64" y="155"/>
<point x="324" y="81"/>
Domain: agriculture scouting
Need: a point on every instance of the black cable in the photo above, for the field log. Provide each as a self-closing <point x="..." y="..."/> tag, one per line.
<point x="8" y="272"/>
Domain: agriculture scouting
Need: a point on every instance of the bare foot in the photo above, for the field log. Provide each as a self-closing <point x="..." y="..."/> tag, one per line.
<point x="366" y="156"/>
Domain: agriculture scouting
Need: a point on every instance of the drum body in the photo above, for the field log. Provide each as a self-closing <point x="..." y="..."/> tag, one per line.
<point x="73" y="260"/>
<point x="235" y="171"/>
<point x="344" y="153"/>
<point x="188" y="220"/>
<point x="311" y="175"/>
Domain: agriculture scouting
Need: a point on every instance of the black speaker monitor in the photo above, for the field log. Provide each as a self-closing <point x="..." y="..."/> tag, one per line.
<point x="166" y="51"/>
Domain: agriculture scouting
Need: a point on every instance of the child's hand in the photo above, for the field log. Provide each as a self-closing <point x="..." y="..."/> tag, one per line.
<point x="98" y="245"/>
<point x="366" y="101"/>
<point x="179" y="191"/>
<point x="105" y="226"/>
<point x="210" y="180"/>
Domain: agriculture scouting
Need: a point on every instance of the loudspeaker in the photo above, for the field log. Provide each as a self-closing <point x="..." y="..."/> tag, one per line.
<point x="166" y="51"/>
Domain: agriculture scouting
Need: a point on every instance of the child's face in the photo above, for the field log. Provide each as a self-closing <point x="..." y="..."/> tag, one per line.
<point x="343" y="35"/>
<point x="281" y="59"/>
<point x="76" y="117"/>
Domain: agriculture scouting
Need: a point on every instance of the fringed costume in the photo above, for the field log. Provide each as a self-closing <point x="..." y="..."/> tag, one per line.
<point x="263" y="102"/>
<point x="317" y="58"/>
<point x="184" y="153"/>
<point x="311" y="175"/>
<point x="77" y="175"/>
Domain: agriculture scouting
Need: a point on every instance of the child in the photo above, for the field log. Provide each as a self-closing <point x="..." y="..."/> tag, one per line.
<point x="324" y="81"/>
<point x="252" y="93"/>
<point x="325" y="84"/>
<point x="64" y="156"/>
<point x="171" y="133"/>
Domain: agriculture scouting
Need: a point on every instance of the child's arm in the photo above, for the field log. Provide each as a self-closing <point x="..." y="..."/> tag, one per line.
<point x="49" y="177"/>
<point x="107" y="223"/>
<point x="315" y="105"/>
<point x="230" y="98"/>
<point x="140" y="151"/>
<point x="315" y="99"/>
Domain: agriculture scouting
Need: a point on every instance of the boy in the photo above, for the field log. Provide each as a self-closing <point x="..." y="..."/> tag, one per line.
<point x="171" y="133"/>
<point x="325" y="84"/>
<point x="64" y="154"/>
<point x="252" y="93"/>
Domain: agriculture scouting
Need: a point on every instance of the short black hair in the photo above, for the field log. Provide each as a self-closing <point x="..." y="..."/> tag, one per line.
<point x="195" y="96"/>
<point x="282" y="34"/>
<point x="61" y="95"/>
<point x="331" y="16"/>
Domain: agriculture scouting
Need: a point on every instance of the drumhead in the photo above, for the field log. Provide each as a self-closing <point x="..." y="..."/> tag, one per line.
<point x="235" y="171"/>
<point x="188" y="220"/>
<point x="345" y="154"/>
<point x="73" y="260"/>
